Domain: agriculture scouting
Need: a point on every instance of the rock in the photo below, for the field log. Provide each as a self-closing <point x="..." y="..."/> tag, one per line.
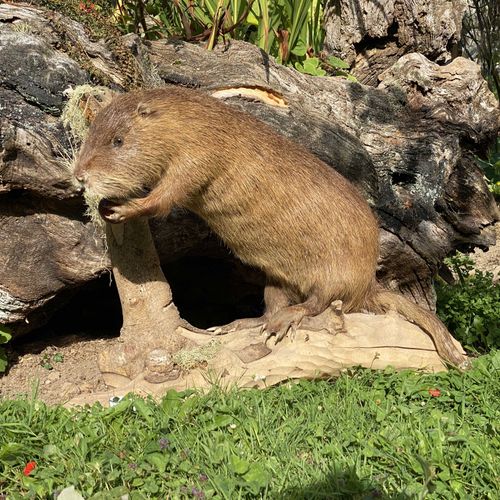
<point x="52" y="377"/>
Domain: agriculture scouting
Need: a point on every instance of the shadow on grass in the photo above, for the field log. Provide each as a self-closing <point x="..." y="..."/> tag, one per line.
<point x="338" y="485"/>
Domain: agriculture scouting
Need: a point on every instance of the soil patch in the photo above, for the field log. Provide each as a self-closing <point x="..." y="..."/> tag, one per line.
<point x="57" y="369"/>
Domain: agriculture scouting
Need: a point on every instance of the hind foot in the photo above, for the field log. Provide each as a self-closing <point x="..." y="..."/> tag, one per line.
<point x="282" y="322"/>
<point x="331" y="320"/>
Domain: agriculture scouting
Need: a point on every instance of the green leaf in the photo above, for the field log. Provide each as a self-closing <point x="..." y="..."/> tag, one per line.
<point x="137" y="482"/>
<point x="445" y="474"/>
<point x="218" y="455"/>
<point x="185" y="466"/>
<point x="114" y="474"/>
<point x="220" y="421"/>
<point x="224" y="485"/>
<point x="312" y="66"/>
<point x="5" y="334"/>
<point x="151" y="486"/>
<point x="336" y="62"/>
<point x="299" y="66"/>
<point x="58" y="357"/>
<point x="159" y="460"/>
<point x="299" y="49"/>
<point x="171" y="403"/>
<point x="252" y="19"/>
<point x="258" y="476"/>
<point x="118" y="492"/>
<point x="426" y="469"/>
<point x="143" y="410"/>
<point x="3" y="360"/>
<point x="238" y="465"/>
<point x="11" y="452"/>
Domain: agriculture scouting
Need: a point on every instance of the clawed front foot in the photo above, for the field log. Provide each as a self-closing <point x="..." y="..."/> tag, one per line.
<point x="116" y="212"/>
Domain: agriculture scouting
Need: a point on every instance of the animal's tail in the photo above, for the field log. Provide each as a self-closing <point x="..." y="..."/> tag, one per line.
<point x="382" y="301"/>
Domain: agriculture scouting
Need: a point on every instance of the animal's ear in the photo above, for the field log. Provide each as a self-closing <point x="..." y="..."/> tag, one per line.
<point x="144" y="110"/>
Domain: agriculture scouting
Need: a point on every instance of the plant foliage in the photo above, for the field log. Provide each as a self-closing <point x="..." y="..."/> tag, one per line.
<point x="366" y="435"/>
<point x="491" y="168"/>
<point x="5" y="336"/>
<point x="481" y="38"/>
<point x="289" y="30"/>
<point x="471" y="306"/>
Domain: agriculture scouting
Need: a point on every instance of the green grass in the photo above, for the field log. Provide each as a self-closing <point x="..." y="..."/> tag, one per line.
<point x="365" y="435"/>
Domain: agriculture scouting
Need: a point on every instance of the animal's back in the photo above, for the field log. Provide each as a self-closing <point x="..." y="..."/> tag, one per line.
<point x="280" y="208"/>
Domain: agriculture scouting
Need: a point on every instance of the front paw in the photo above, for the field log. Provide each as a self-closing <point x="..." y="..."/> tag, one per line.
<point x="114" y="212"/>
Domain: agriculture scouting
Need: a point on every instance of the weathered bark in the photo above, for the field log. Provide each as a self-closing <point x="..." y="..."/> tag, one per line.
<point x="44" y="256"/>
<point x="407" y="145"/>
<point x="371" y="36"/>
<point x="43" y="236"/>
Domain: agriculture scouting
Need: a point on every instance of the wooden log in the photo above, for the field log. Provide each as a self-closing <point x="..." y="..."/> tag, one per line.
<point x="404" y="152"/>
<point x="372" y="36"/>
<point x="408" y="146"/>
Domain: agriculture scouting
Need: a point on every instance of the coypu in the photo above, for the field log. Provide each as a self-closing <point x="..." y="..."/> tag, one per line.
<point x="275" y="205"/>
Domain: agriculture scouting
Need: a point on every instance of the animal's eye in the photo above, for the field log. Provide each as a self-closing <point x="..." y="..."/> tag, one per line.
<point x="117" y="141"/>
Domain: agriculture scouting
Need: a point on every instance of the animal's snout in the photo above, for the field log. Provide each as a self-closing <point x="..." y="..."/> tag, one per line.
<point x="80" y="180"/>
<point x="81" y="172"/>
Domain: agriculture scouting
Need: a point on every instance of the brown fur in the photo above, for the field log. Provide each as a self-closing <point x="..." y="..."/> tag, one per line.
<point x="277" y="206"/>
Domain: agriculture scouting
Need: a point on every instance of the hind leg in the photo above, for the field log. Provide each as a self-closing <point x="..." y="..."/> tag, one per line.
<point x="275" y="298"/>
<point x="287" y="318"/>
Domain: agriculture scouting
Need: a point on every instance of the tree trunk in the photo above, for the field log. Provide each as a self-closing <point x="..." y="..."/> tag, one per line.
<point x="372" y="36"/>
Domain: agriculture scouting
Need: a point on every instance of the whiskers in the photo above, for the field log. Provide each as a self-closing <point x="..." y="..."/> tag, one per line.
<point x="114" y="187"/>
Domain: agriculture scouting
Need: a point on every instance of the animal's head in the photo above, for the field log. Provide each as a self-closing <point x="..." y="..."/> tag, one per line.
<point x="121" y="157"/>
